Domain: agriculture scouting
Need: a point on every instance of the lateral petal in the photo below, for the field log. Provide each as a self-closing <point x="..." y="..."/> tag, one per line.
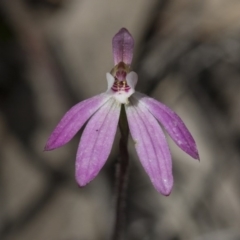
<point x="151" y="146"/>
<point x="171" y="122"/>
<point x="73" y="120"/>
<point x="96" y="142"/>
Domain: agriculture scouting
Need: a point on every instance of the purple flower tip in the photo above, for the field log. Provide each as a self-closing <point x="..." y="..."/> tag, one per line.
<point x="123" y="44"/>
<point x="46" y="148"/>
<point x="49" y="147"/>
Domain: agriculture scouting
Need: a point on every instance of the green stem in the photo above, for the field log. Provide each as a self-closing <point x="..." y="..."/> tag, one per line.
<point x="121" y="178"/>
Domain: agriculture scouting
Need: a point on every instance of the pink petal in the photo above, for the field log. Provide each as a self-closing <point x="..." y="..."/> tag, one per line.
<point x="172" y="123"/>
<point x="151" y="146"/>
<point x="73" y="120"/>
<point x="96" y="142"/>
<point x="123" y="44"/>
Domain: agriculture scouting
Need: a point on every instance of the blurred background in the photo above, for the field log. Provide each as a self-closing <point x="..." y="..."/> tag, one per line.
<point x="55" y="53"/>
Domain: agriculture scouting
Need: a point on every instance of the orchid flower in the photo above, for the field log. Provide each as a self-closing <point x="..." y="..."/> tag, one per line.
<point x="143" y="115"/>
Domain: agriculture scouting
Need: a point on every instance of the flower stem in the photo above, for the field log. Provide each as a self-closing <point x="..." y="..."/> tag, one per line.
<point x="121" y="178"/>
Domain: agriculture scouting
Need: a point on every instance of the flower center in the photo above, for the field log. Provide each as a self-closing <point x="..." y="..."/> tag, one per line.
<point x="120" y="86"/>
<point x="121" y="82"/>
<point x="120" y="72"/>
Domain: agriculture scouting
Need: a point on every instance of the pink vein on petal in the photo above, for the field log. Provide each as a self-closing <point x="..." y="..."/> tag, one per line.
<point x="96" y="142"/>
<point x="151" y="147"/>
<point x="73" y="120"/>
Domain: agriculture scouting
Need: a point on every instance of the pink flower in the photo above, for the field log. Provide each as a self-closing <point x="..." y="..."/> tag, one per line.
<point x="143" y="114"/>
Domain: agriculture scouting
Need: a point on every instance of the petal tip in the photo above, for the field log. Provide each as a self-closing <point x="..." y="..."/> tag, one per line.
<point x="80" y="185"/>
<point x="194" y="153"/>
<point x="82" y="181"/>
<point x="51" y="145"/>
<point x="45" y="149"/>
<point x="48" y="147"/>
<point x="123" y="30"/>
<point x="165" y="192"/>
<point x="197" y="157"/>
<point x="168" y="190"/>
<point x="164" y="186"/>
